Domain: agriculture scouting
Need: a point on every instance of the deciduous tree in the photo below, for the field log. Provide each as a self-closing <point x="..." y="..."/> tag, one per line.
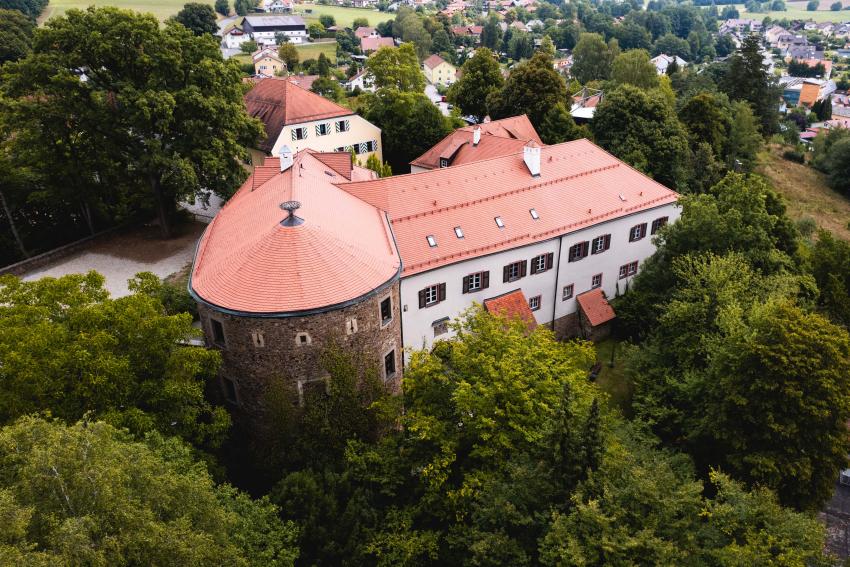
<point x="15" y="35"/>
<point x="200" y="18"/>
<point x="396" y="68"/>
<point x="480" y="76"/>
<point x="532" y="88"/>
<point x="592" y="59"/>
<point x="634" y="68"/>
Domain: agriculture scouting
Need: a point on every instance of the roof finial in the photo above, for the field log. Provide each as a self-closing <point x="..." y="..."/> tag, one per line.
<point x="291" y="207"/>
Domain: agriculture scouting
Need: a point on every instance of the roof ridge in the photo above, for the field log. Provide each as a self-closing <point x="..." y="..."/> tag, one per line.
<point x="507" y="193"/>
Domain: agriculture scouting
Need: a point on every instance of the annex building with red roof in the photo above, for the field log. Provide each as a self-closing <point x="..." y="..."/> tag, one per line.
<point x="312" y="251"/>
<point x="300" y="119"/>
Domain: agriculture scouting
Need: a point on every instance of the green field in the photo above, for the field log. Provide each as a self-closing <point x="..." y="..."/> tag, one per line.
<point x="793" y="13"/>
<point x="343" y="16"/>
<point x="312" y="50"/>
<point x="162" y="9"/>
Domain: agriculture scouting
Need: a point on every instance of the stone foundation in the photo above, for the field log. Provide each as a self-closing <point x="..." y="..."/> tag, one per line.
<point x="567" y="327"/>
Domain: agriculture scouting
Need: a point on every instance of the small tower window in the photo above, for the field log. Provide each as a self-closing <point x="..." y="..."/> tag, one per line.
<point x="303" y="339"/>
<point x="351" y="326"/>
<point x="259" y="339"/>
<point x="217" y="331"/>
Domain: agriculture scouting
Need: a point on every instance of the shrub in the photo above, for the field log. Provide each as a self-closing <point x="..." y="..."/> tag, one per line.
<point x="794" y="155"/>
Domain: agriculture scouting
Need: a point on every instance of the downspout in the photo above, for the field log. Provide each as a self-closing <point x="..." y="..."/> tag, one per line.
<point x="557" y="282"/>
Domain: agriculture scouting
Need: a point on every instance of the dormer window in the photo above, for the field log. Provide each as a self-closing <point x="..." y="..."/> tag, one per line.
<point x="458" y="232"/>
<point x="499" y="222"/>
<point x="444" y="162"/>
<point x="534" y="214"/>
<point x="432" y="242"/>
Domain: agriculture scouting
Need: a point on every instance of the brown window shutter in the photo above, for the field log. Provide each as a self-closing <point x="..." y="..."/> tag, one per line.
<point x="632" y="234"/>
<point x="441" y="292"/>
<point x="506" y="273"/>
<point x="607" y="241"/>
<point x="523" y="267"/>
<point x="643" y="230"/>
<point x="534" y="265"/>
<point x="585" y="246"/>
<point x="465" y="284"/>
<point x="485" y="280"/>
<point x="549" y="259"/>
<point x="421" y="298"/>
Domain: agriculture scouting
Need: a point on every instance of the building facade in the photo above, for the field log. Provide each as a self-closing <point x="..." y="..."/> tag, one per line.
<point x="438" y="71"/>
<point x="267" y="62"/>
<point x="264" y="29"/>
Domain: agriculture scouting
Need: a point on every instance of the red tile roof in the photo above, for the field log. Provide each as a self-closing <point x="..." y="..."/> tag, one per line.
<point x="827" y="64"/>
<point x="278" y="102"/>
<point x="363" y="31"/>
<point x="579" y="185"/>
<point x="512" y="305"/>
<point x="433" y="61"/>
<point x="303" y="81"/>
<point x="340" y="162"/>
<point x="467" y="30"/>
<point x="498" y="138"/>
<point x="248" y="262"/>
<point x="375" y="43"/>
<point x="595" y="307"/>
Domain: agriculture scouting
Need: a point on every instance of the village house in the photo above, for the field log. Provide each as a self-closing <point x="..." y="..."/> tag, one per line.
<point x="438" y="71"/>
<point x="299" y="119"/>
<point x="468" y="31"/>
<point x="362" y="80"/>
<point x="371" y="44"/>
<point x="797" y="91"/>
<point x="663" y="61"/>
<point x="276" y="6"/>
<point x="364" y="31"/>
<point x="234" y="36"/>
<point x="264" y="29"/>
<point x="267" y="62"/>
<point x="312" y="251"/>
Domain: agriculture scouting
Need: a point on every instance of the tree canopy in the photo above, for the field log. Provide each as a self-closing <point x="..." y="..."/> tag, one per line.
<point x="592" y="58"/>
<point x="396" y="68"/>
<point x="16" y="32"/>
<point x="200" y="18"/>
<point x="480" y="77"/>
<point x="533" y="87"/>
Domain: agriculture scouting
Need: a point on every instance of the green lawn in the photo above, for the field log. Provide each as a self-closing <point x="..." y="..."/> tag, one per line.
<point x="162" y="9"/>
<point x="613" y="380"/>
<point x="312" y="50"/>
<point x="343" y="16"/>
<point x="797" y="11"/>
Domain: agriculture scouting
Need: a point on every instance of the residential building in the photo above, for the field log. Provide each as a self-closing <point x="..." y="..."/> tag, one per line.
<point x="740" y="26"/>
<point x="374" y="43"/>
<point x="826" y="63"/>
<point x="303" y="81"/>
<point x="234" y="36"/>
<point x="584" y="104"/>
<point x="438" y="71"/>
<point x="300" y="119"/>
<point x="473" y="31"/>
<point x="264" y="29"/>
<point x="662" y="61"/>
<point x="487" y="140"/>
<point x="276" y="6"/>
<point x="364" y="31"/>
<point x="267" y="62"/>
<point x="798" y="91"/>
<point x="383" y="265"/>
<point x="772" y="35"/>
<point x="362" y="80"/>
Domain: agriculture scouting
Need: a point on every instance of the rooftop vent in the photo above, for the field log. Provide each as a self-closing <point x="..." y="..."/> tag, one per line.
<point x="458" y="232"/>
<point x="622" y="198"/>
<point x="476" y="136"/>
<point x="292" y="219"/>
<point x="534" y="214"/>
<point x="286" y="158"/>
<point x="432" y="242"/>
<point x="499" y="222"/>
<point x="531" y="156"/>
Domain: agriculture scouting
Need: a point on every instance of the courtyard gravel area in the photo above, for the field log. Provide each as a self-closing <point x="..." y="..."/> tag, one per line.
<point x="121" y="256"/>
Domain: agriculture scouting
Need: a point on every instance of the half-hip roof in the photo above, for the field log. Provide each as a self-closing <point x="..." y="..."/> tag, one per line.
<point x="278" y="102"/>
<point x="512" y="305"/>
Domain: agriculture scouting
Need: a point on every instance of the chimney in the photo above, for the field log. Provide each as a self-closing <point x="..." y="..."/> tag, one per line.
<point x="476" y="135"/>
<point x="531" y="157"/>
<point x="286" y="158"/>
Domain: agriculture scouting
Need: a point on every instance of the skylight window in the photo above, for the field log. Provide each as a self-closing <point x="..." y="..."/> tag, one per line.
<point x="458" y="232"/>
<point x="499" y="222"/>
<point x="432" y="242"/>
<point x="534" y="214"/>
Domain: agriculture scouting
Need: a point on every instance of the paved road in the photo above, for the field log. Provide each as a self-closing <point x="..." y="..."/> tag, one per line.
<point x="431" y="92"/>
<point x="119" y="257"/>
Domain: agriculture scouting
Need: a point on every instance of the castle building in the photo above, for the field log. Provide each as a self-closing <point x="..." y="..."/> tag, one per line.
<point x="312" y="251"/>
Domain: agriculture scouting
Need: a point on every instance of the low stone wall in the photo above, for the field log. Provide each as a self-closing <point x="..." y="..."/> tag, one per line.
<point x="45" y="258"/>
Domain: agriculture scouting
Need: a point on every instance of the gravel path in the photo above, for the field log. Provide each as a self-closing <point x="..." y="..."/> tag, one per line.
<point x="119" y="257"/>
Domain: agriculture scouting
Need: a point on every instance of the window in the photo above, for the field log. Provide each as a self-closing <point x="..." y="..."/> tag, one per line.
<point x="476" y="281"/>
<point x="229" y="387"/>
<point x="312" y="390"/>
<point x="637" y="232"/>
<point x="389" y="365"/>
<point x="444" y="162"/>
<point x="499" y="222"/>
<point x="351" y="325"/>
<point x="440" y="326"/>
<point x="386" y="310"/>
<point x="657" y="223"/>
<point x="513" y="272"/>
<point x="541" y="263"/>
<point x="217" y="331"/>
<point x="596" y="281"/>
<point x="303" y="339"/>
<point x="432" y="295"/>
<point x="299" y="133"/>
<point x="533" y="213"/>
<point x="323" y="129"/>
<point x="568" y="292"/>
<point x="627" y="270"/>
<point x="578" y="251"/>
<point x="534" y="303"/>
<point x="432" y="242"/>
<point x="458" y="232"/>
<point x="600" y="244"/>
<point x="259" y="339"/>
<point x="342" y="126"/>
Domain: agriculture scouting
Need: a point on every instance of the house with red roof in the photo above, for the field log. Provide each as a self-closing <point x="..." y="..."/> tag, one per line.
<point x="300" y="119"/>
<point x="313" y="251"/>
<point x="374" y="43"/>
<point x="438" y="71"/>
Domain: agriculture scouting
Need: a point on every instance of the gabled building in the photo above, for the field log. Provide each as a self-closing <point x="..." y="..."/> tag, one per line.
<point x="362" y="80"/>
<point x="487" y="140"/>
<point x="264" y="29"/>
<point x="365" y="31"/>
<point x="312" y="252"/>
<point x="299" y="119"/>
<point x="267" y="62"/>
<point x="662" y="61"/>
<point x="438" y="71"/>
<point x="371" y="44"/>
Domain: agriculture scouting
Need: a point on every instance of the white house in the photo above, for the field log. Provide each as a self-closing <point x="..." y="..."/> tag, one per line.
<point x="263" y="29"/>
<point x="362" y="80"/>
<point x="663" y="61"/>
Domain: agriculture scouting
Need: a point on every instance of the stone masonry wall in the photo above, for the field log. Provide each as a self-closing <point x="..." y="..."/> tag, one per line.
<point x="285" y="358"/>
